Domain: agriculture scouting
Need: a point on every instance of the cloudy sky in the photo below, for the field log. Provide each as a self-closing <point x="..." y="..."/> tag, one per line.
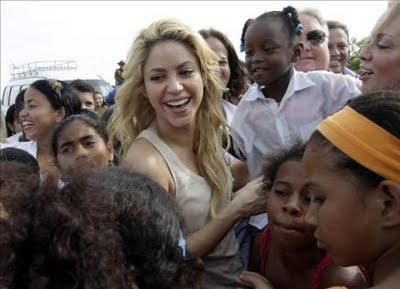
<point x="97" y="34"/>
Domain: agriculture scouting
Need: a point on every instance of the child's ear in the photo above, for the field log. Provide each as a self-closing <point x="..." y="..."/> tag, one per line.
<point x="297" y="50"/>
<point x="60" y="114"/>
<point x="389" y="202"/>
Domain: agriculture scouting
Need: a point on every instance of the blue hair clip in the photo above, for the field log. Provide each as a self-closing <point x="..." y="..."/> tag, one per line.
<point x="182" y="244"/>
<point x="241" y="46"/>
<point x="298" y="28"/>
<point x="289" y="14"/>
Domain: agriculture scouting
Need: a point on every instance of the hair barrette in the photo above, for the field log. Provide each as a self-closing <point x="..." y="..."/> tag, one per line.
<point x="56" y="86"/>
<point x="298" y="29"/>
<point x="182" y="244"/>
<point x="241" y="47"/>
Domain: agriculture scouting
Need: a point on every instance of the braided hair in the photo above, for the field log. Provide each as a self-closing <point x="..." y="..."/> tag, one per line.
<point x="289" y="18"/>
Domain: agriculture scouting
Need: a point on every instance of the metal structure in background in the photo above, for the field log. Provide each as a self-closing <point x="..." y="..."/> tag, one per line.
<point x="33" y="69"/>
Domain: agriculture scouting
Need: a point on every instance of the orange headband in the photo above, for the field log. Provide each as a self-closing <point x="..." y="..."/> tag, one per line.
<point x="365" y="142"/>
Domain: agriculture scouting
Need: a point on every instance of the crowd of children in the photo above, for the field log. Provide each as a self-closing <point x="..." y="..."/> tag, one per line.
<point x="208" y="172"/>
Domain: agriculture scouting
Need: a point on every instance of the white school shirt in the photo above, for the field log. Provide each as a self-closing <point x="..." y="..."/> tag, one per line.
<point x="229" y="110"/>
<point x="260" y="127"/>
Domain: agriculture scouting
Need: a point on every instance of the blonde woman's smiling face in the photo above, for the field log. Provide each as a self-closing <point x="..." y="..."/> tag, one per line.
<point x="173" y="83"/>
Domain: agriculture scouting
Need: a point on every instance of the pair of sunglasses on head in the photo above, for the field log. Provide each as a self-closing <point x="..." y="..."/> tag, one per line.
<point x="316" y="37"/>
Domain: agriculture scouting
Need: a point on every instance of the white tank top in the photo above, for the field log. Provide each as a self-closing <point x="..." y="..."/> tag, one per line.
<point x="193" y="195"/>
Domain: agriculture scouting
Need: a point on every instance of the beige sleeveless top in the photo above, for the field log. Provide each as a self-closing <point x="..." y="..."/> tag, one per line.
<point x="193" y="196"/>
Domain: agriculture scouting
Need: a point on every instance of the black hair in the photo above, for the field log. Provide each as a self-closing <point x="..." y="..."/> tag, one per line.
<point x="90" y="113"/>
<point x="244" y="29"/>
<point x="18" y="185"/>
<point x="273" y="163"/>
<point x="81" y="86"/>
<point x="56" y="93"/>
<point x="382" y="108"/>
<point x="150" y="225"/>
<point x="289" y="18"/>
<point x="237" y="81"/>
<point x="94" y="122"/>
<point x="19" y="101"/>
<point x="20" y="156"/>
<point x="74" y="240"/>
<point x="11" y="115"/>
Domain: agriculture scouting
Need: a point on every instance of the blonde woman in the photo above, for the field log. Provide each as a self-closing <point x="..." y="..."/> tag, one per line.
<point x="380" y="57"/>
<point x="171" y="126"/>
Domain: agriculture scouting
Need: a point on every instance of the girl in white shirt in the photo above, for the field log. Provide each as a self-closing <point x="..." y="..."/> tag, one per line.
<point x="283" y="106"/>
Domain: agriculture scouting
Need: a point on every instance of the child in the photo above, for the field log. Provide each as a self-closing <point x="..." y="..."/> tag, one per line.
<point x="150" y="225"/>
<point x="352" y="165"/>
<point x="116" y="229"/>
<point x="287" y="246"/>
<point x="81" y="141"/>
<point x="283" y="105"/>
<point x="19" y="181"/>
<point x="85" y="93"/>
<point x="46" y="103"/>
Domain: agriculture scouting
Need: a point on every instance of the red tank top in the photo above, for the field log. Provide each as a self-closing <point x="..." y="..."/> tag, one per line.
<point x="316" y="280"/>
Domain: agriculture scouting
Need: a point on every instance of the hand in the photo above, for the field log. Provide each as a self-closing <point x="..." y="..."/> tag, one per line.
<point x="255" y="280"/>
<point x="251" y="199"/>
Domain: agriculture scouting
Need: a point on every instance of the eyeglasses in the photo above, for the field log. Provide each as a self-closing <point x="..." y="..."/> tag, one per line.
<point x="316" y="37"/>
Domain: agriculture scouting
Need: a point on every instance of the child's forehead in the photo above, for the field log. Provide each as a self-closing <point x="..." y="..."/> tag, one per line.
<point x="270" y="28"/>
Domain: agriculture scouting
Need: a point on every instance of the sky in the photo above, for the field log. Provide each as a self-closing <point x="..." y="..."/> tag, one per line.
<point x="98" y="34"/>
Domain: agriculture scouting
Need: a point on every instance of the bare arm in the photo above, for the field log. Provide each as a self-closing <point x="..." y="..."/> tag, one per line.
<point x="248" y="201"/>
<point x="144" y="159"/>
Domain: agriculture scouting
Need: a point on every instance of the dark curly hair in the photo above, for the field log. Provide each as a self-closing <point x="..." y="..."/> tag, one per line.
<point x="150" y="224"/>
<point x="18" y="184"/>
<point x="108" y="229"/>
<point x="273" y="163"/>
<point x="381" y="107"/>
<point x="237" y="82"/>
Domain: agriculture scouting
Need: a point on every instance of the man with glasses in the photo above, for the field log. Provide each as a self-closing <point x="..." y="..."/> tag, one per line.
<point x="315" y="55"/>
<point x="339" y="48"/>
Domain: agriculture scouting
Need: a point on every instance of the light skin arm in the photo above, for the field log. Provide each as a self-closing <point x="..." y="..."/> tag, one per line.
<point x="144" y="159"/>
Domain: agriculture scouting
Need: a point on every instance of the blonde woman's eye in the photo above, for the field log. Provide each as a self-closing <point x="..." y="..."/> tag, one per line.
<point x="187" y="72"/>
<point x="156" y="78"/>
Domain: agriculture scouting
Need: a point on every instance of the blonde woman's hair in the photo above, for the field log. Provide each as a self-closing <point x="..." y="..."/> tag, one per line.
<point x="134" y="113"/>
<point x="387" y="17"/>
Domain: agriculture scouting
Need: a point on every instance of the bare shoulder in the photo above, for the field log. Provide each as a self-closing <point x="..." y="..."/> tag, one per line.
<point x="350" y="277"/>
<point x="142" y="157"/>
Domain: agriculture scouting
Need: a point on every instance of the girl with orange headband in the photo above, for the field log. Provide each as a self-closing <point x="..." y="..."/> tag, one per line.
<point x="352" y="165"/>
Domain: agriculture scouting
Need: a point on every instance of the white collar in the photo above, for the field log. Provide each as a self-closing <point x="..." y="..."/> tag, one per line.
<point x="299" y="81"/>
